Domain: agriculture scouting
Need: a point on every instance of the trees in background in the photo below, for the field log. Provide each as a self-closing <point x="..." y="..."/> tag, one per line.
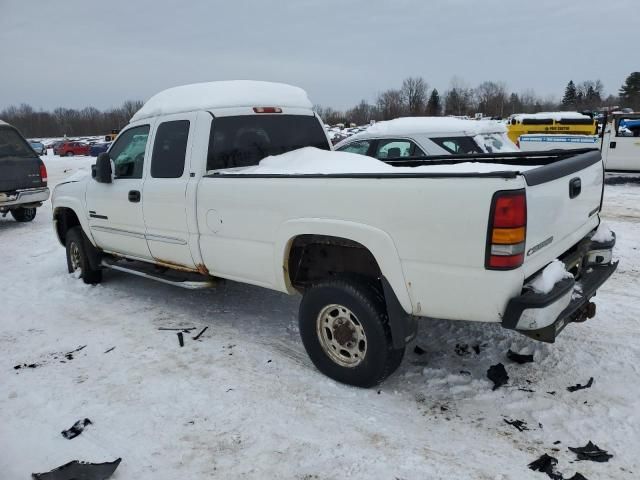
<point x="413" y="98"/>
<point x="630" y="91"/>
<point x="69" y="121"/>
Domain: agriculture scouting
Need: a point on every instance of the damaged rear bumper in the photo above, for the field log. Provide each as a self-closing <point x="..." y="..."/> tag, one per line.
<point x="27" y="197"/>
<point x="542" y="316"/>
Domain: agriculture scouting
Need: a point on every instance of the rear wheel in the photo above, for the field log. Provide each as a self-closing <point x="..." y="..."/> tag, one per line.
<point x="77" y="258"/>
<point x="69" y="154"/>
<point x="24" y="214"/>
<point x="344" y="328"/>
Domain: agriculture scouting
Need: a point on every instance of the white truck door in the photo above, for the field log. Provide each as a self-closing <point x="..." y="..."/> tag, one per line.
<point x="622" y="152"/>
<point x="115" y="209"/>
<point x="165" y="190"/>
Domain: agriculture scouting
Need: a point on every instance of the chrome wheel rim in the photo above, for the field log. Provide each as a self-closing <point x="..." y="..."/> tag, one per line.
<point x="341" y="335"/>
<point x="74" y="254"/>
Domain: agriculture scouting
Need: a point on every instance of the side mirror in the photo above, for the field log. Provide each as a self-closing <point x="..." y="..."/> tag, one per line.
<point x="102" y="169"/>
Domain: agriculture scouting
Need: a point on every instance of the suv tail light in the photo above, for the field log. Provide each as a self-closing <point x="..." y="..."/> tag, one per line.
<point x="43" y="172"/>
<point x="507" y="230"/>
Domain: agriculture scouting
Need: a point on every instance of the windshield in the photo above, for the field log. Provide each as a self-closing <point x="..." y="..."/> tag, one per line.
<point x="242" y="141"/>
<point x="13" y="145"/>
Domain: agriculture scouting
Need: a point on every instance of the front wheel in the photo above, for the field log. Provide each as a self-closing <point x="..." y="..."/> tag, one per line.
<point x="77" y="258"/>
<point x="344" y="328"/>
<point x="69" y="154"/>
<point x="24" y="214"/>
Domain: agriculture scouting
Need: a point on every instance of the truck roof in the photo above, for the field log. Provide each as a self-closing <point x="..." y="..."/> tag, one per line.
<point x="223" y="94"/>
<point x="551" y="116"/>
<point x="431" y="125"/>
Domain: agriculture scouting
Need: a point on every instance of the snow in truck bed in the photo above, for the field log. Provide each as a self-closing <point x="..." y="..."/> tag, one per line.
<point x="310" y="160"/>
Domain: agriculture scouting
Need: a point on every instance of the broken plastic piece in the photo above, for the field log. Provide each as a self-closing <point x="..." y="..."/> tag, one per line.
<point x="498" y="375"/>
<point x="419" y="350"/>
<point x="200" y="334"/>
<point x="76" y="470"/>
<point x="591" y="452"/>
<point x="577" y="387"/>
<point x="521" y="425"/>
<point x="546" y="464"/>
<point x="519" y="358"/>
<point x="180" y="339"/>
<point x="577" y="476"/>
<point x="76" y="429"/>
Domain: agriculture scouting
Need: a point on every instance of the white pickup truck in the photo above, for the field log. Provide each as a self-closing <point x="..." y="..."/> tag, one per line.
<point x="186" y="196"/>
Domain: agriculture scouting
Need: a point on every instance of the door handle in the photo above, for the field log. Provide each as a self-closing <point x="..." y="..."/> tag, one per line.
<point x="134" y="196"/>
<point x="575" y="187"/>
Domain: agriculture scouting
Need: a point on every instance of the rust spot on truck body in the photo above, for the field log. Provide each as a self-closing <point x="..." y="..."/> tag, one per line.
<point x="202" y="269"/>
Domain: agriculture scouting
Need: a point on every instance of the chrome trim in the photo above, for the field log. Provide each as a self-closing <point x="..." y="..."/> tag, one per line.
<point x="28" y="195"/>
<point x="117" y="231"/>
<point x="161" y="238"/>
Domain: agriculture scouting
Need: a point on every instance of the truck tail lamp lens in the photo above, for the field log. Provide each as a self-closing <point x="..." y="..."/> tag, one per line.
<point x="267" y="109"/>
<point x="43" y="173"/>
<point x="507" y="230"/>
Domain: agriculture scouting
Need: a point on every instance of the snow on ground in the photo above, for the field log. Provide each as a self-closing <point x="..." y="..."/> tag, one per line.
<point x="245" y="402"/>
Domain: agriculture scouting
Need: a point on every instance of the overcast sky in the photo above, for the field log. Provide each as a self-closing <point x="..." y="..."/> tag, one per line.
<point x="75" y="53"/>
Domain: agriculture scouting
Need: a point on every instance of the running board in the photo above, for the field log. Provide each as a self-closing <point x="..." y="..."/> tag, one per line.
<point x="188" y="284"/>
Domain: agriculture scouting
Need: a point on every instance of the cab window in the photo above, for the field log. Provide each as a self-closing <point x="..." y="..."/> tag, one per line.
<point x="457" y="145"/>
<point x="389" y="149"/>
<point x="127" y="152"/>
<point x="169" y="149"/>
<point x="361" y="147"/>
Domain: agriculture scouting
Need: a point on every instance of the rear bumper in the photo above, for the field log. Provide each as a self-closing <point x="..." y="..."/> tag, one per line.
<point x="543" y="316"/>
<point x="26" y="197"/>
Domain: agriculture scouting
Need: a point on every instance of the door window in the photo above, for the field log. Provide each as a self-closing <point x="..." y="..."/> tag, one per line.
<point x="457" y="145"/>
<point x="169" y="149"/>
<point x="127" y="152"/>
<point x="361" y="147"/>
<point x="389" y="149"/>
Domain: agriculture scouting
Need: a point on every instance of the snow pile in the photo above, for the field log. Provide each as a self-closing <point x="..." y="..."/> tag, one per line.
<point x="552" y="274"/>
<point x="557" y="116"/>
<point x="435" y="125"/>
<point x="224" y="94"/>
<point x="603" y="234"/>
<point x="310" y="160"/>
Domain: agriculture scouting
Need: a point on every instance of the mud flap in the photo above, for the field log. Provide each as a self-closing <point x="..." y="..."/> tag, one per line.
<point x="403" y="325"/>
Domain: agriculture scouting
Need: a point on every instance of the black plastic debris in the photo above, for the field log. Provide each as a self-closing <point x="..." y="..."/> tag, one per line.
<point x="577" y="476"/>
<point x="419" y="350"/>
<point x="76" y="470"/>
<point x="476" y="348"/>
<point x="26" y="365"/>
<point x="557" y="442"/>
<point x="522" y="389"/>
<point x="577" y="387"/>
<point x="181" y="339"/>
<point x="462" y="349"/>
<point x="546" y="464"/>
<point x="498" y="375"/>
<point x="185" y="329"/>
<point x="109" y="350"/>
<point x="520" y="425"/>
<point x="519" y="358"/>
<point x="200" y="334"/>
<point x="76" y="429"/>
<point x="591" y="452"/>
<point x="465" y="372"/>
<point x="69" y="355"/>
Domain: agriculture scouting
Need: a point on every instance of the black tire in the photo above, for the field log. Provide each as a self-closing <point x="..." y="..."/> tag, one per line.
<point x="324" y="302"/>
<point x="24" y="214"/>
<point x="77" y="259"/>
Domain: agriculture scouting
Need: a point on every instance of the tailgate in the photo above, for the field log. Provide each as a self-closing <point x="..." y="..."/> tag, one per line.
<point x="563" y="201"/>
<point x="18" y="173"/>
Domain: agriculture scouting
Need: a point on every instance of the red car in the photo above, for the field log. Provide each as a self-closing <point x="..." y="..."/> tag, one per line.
<point x="69" y="149"/>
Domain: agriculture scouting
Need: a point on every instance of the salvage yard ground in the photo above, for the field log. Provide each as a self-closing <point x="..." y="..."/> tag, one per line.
<point x="243" y="401"/>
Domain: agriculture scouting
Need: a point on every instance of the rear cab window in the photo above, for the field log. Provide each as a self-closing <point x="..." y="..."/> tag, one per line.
<point x="390" y="149"/>
<point x="13" y="145"/>
<point x="243" y="140"/>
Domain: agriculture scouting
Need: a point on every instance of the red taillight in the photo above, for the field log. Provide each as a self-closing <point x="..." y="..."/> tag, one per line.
<point x="507" y="230"/>
<point x="43" y="173"/>
<point x="267" y="109"/>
